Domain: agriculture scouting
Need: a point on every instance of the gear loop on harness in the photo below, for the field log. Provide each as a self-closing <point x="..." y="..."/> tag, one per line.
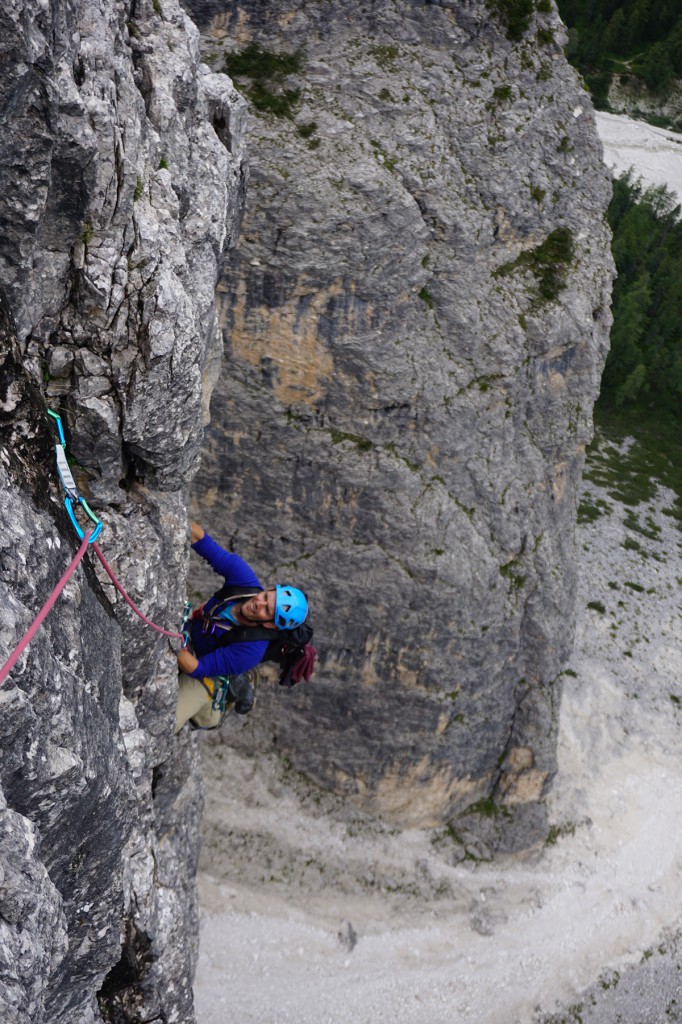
<point x="220" y="693"/>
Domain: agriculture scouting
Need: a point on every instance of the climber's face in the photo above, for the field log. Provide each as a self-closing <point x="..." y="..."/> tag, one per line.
<point x="259" y="610"/>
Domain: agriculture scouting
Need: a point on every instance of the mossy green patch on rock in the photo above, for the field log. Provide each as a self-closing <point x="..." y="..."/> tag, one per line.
<point x="517" y="580"/>
<point x="515" y="15"/>
<point x="556" y="832"/>
<point x="362" y="443"/>
<point x="548" y="262"/>
<point x="487" y="808"/>
<point x="385" y="56"/>
<point x="267" y="72"/>
<point x="306" y="130"/>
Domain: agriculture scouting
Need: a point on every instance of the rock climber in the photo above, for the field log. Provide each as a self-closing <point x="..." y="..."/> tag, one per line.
<point x="219" y="641"/>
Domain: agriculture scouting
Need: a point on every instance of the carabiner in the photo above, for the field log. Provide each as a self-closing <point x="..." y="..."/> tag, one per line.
<point x="70" y="488"/>
<point x="68" y="502"/>
<point x="220" y="694"/>
<point x="186" y="615"/>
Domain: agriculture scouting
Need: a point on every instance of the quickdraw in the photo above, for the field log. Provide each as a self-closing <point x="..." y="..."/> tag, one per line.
<point x="186" y="616"/>
<point x="69" y="485"/>
<point x="72" y="495"/>
<point x="220" y="695"/>
<point x="217" y="688"/>
<point x="87" y="537"/>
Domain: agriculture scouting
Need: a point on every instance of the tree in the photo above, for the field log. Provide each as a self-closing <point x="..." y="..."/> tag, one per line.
<point x="630" y="319"/>
<point x="615" y="34"/>
<point x="657" y="69"/>
<point x="644" y="365"/>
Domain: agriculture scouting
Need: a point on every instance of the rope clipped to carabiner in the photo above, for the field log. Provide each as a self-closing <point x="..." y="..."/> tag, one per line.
<point x="69" y="485"/>
<point x="87" y="537"/>
<point x="72" y="495"/>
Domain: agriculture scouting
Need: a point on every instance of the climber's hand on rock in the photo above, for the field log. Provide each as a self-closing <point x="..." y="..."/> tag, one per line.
<point x="197" y="532"/>
<point x="187" y="662"/>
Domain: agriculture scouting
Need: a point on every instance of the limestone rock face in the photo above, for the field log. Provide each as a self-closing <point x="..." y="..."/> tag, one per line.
<point x="122" y="177"/>
<point x="416" y="318"/>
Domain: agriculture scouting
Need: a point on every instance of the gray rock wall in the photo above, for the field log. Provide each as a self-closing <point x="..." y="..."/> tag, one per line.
<point x="631" y="97"/>
<point x="416" y="318"/>
<point x="122" y="177"/>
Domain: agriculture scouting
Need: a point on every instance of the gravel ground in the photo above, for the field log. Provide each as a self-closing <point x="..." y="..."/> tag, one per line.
<point x="656" y="153"/>
<point x="313" y="914"/>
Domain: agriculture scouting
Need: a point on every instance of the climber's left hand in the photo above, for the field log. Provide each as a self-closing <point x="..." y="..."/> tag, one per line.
<point x="187" y="662"/>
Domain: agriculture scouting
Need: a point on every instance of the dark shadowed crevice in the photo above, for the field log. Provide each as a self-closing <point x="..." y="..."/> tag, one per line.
<point x="116" y="998"/>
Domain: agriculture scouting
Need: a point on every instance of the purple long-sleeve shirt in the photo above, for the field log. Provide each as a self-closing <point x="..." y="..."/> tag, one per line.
<point x="236" y="658"/>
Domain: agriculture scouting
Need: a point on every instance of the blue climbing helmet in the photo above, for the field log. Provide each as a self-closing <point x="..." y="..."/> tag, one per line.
<point x="291" y="607"/>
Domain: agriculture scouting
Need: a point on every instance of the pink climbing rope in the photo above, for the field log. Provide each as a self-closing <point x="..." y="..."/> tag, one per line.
<point x="49" y="605"/>
<point x="43" y="613"/>
<point x="127" y="599"/>
<point x="71" y="496"/>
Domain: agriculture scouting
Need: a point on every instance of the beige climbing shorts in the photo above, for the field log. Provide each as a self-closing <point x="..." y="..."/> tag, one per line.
<point x="194" y="702"/>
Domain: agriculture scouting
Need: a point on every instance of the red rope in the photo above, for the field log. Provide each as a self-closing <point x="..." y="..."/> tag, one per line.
<point x="49" y="604"/>
<point x="42" y="614"/>
<point x="124" y="595"/>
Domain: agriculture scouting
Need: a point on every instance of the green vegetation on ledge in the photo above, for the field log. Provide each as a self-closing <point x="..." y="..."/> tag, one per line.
<point x="516" y="15"/>
<point x="548" y="262"/>
<point x="267" y="72"/>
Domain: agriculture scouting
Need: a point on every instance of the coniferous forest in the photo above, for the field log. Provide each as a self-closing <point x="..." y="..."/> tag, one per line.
<point x="641" y="392"/>
<point x="629" y="37"/>
<point x="644" y="366"/>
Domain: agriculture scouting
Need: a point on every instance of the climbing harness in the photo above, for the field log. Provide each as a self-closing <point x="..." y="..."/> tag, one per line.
<point x="87" y="537"/>
<point x="217" y="688"/>
<point x="224" y="700"/>
<point x="218" y="693"/>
